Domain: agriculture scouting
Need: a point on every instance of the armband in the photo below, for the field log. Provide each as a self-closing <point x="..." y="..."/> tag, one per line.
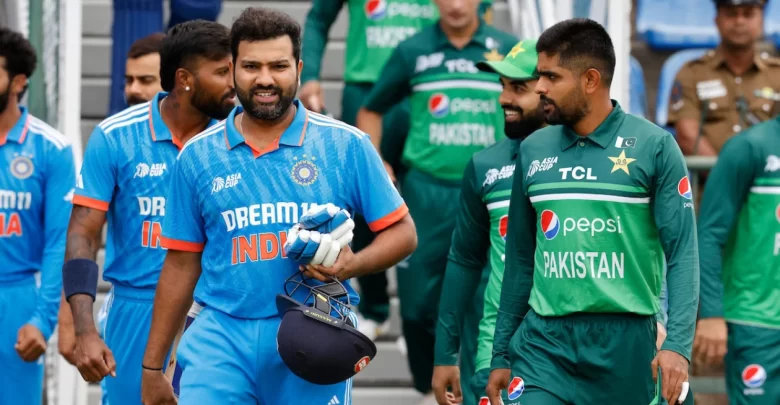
<point x="80" y="276"/>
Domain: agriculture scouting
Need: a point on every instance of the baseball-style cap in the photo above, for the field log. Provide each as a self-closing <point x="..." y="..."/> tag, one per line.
<point x="760" y="3"/>
<point x="518" y="64"/>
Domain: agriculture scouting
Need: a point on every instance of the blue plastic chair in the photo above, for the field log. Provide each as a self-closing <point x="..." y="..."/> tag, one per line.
<point x="675" y="24"/>
<point x="638" y="103"/>
<point x="666" y="81"/>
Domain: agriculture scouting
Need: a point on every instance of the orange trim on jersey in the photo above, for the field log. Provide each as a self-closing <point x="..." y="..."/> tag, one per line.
<point x="389" y="219"/>
<point x="227" y="141"/>
<point x="90" y="202"/>
<point x="26" y="127"/>
<point x="184" y="246"/>
<point x="176" y="142"/>
<point x="268" y="149"/>
<point x="305" y="124"/>
<point x="151" y="121"/>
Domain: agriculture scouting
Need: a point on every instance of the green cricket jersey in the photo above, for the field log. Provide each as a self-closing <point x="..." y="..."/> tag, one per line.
<point x="454" y="109"/>
<point x="376" y="27"/>
<point x="477" y="246"/>
<point x="592" y="220"/>
<point x="739" y="233"/>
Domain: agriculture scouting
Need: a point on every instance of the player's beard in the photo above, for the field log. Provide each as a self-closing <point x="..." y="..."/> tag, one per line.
<point x="572" y="108"/>
<point x="210" y="106"/>
<point x="4" y="98"/>
<point x="134" y="100"/>
<point x="263" y="111"/>
<point x="530" y="121"/>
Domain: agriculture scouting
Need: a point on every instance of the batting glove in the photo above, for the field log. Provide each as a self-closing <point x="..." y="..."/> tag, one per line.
<point x="311" y="247"/>
<point x="330" y="219"/>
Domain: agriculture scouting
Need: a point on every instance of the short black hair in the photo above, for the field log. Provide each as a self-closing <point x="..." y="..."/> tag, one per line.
<point x="188" y="41"/>
<point x="19" y="54"/>
<point x="147" y="45"/>
<point x="580" y="44"/>
<point x="260" y="24"/>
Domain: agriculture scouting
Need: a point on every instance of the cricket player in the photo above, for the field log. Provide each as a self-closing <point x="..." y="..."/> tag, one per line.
<point x="36" y="185"/>
<point x="602" y="204"/>
<point x="454" y="114"/>
<point x="375" y="29"/>
<point x="124" y="180"/>
<point x="237" y="189"/>
<point x="476" y="259"/>
<point x="739" y="237"/>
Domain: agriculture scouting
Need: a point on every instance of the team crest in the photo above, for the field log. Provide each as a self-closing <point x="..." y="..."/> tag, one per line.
<point x="305" y="172"/>
<point x="22" y="167"/>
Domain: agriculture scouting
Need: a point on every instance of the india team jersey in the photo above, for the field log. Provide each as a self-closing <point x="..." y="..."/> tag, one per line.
<point x="36" y="184"/>
<point x="235" y="203"/>
<point x="126" y="169"/>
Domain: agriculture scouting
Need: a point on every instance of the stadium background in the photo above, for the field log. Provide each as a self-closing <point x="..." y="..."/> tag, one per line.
<point x="70" y="88"/>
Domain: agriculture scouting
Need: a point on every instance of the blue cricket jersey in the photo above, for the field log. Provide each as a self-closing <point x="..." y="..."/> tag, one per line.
<point x="235" y="203"/>
<point x="126" y="171"/>
<point x="36" y="186"/>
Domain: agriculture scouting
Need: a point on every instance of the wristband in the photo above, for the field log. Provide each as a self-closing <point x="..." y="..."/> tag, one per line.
<point x="150" y="369"/>
<point x="80" y="276"/>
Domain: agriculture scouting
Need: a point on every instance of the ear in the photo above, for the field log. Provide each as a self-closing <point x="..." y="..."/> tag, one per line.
<point x="300" y="69"/>
<point x="591" y="80"/>
<point x="184" y="79"/>
<point x="18" y="84"/>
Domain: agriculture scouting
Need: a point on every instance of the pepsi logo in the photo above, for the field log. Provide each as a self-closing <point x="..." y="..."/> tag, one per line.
<point x="502" y="224"/>
<point x="753" y="376"/>
<point x="516" y="387"/>
<point x="684" y="188"/>
<point x="376" y="9"/>
<point x="439" y="105"/>
<point x="484" y="401"/>
<point x="550" y="224"/>
<point x="362" y="363"/>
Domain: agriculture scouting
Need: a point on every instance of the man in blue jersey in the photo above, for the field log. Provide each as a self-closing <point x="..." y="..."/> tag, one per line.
<point x="124" y="180"/>
<point x="37" y="177"/>
<point x="236" y="190"/>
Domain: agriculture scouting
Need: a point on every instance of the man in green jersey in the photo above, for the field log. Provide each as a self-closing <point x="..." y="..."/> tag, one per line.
<point x="375" y="29"/>
<point x="739" y="237"/>
<point x="602" y="202"/>
<point x="476" y="259"/>
<point x="454" y="114"/>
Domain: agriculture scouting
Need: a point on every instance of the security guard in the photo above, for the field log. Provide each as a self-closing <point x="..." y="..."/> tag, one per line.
<point x="730" y="88"/>
<point x="454" y="114"/>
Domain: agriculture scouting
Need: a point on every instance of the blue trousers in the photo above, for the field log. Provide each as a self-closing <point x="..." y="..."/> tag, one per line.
<point x="20" y="382"/>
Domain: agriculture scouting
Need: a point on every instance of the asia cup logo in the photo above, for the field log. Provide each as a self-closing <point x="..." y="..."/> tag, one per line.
<point x="753" y="376"/>
<point x="439" y="105"/>
<point x="516" y="388"/>
<point x="550" y="224"/>
<point x="502" y="224"/>
<point x="22" y="167"/>
<point x="684" y="188"/>
<point x="376" y="9"/>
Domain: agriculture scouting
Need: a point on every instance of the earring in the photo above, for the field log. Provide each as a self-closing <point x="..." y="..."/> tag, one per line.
<point x="187" y="88"/>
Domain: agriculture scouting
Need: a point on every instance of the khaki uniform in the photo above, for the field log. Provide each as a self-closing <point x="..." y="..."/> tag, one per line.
<point x="706" y="90"/>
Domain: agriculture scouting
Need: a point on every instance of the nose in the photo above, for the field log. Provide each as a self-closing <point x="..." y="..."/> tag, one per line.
<point x="265" y="78"/>
<point x="505" y="98"/>
<point x="542" y="87"/>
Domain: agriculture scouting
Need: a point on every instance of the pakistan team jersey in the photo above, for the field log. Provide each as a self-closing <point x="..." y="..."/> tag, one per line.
<point x="739" y="232"/>
<point x="126" y="172"/>
<point x="36" y="185"/>
<point x="236" y="203"/>
<point x="592" y="220"/>
<point x="376" y="27"/>
<point x="478" y="243"/>
<point x="454" y="107"/>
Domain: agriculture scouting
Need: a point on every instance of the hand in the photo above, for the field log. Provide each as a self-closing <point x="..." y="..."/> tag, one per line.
<point x="311" y="247"/>
<point x="30" y="343"/>
<point x="499" y="380"/>
<point x="311" y="96"/>
<point x="390" y="172"/>
<point x="445" y="377"/>
<point x="674" y="372"/>
<point x="660" y="336"/>
<point x="93" y="358"/>
<point x="156" y="389"/>
<point x="342" y="269"/>
<point x="709" y="344"/>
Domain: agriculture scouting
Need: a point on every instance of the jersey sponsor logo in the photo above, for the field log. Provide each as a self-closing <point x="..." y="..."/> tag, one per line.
<point x="516" y="388"/>
<point x="305" y="172"/>
<point x="502" y="225"/>
<point x="772" y="163"/>
<point x="258" y="247"/>
<point x="494" y="174"/>
<point x="220" y="183"/>
<point x="754" y="376"/>
<point x="577" y="173"/>
<point x="376" y="9"/>
<point x="684" y="188"/>
<point x="550" y="224"/>
<point x="544" y="165"/>
<point x="151" y="230"/>
<point x="621" y="162"/>
<point x="461" y="65"/>
<point x="623" y="143"/>
<point x="15" y="200"/>
<point x="439" y="105"/>
<point x="425" y="62"/>
<point x="286" y="213"/>
<point x="22" y="167"/>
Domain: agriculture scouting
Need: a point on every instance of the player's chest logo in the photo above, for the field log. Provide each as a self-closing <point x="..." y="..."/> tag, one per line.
<point x="150" y="170"/>
<point x="494" y="174"/>
<point x="221" y="183"/>
<point x="305" y="170"/>
<point x="22" y="166"/>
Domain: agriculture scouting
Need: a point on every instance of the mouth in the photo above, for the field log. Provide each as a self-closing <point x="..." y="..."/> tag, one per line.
<point x="265" y="96"/>
<point x="547" y="106"/>
<point x="512" y="115"/>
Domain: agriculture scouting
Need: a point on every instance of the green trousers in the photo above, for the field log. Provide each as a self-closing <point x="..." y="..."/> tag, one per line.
<point x="753" y="365"/>
<point x="433" y="206"/>
<point x="374" y="300"/>
<point x="469" y="343"/>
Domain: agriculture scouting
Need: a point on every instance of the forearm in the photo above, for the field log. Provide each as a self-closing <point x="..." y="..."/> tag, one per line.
<point x="45" y="316"/>
<point x="662" y="315"/>
<point x="389" y="247"/>
<point x="460" y="285"/>
<point x="515" y="292"/>
<point x="711" y="277"/>
<point x="683" y="282"/>
<point x="82" y="313"/>
<point x="370" y="122"/>
<point x="64" y="317"/>
<point x="315" y="36"/>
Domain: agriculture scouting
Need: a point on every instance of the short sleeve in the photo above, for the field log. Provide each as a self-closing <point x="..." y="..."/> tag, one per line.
<point x="183" y="227"/>
<point x="684" y="102"/>
<point x="96" y="181"/>
<point x="373" y="194"/>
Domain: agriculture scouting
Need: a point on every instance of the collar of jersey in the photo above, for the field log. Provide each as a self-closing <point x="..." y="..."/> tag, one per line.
<point x="603" y="134"/>
<point x="160" y="131"/>
<point x="292" y="136"/>
<point x="479" y="35"/>
<point x="19" y="131"/>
